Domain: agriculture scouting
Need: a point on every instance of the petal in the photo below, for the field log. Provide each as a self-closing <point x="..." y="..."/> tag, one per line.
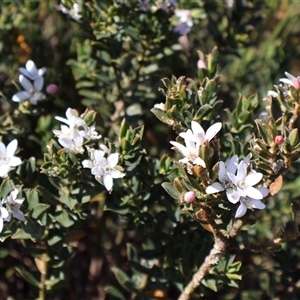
<point x="63" y="120"/>
<point x="232" y="178"/>
<point x="15" y="161"/>
<point x="253" y="178"/>
<point x="285" y="80"/>
<point x="2" y="150"/>
<point x="222" y="172"/>
<point x="26" y="73"/>
<point x="4" y="169"/>
<point x="184" y="151"/>
<point x="1" y="224"/>
<point x="241" y="172"/>
<point x="87" y="164"/>
<point x="42" y="71"/>
<point x="233" y="196"/>
<point x="255" y="203"/>
<point x="65" y="142"/>
<point x="20" y="96"/>
<point x="12" y="147"/>
<point x="199" y="162"/>
<point x="100" y="159"/>
<point x="18" y="215"/>
<point x="290" y="76"/>
<point x="113" y="159"/>
<point x="216" y="187"/>
<point x="108" y="181"/>
<point x="31" y="68"/>
<point x="188" y="135"/>
<point x="213" y="130"/>
<point x="98" y="171"/>
<point x="264" y="191"/>
<point x="38" y="83"/>
<point x="241" y="211"/>
<point x="232" y="164"/>
<point x="26" y="84"/>
<point x="117" y="174"/>
<point x="247" y="159"/>
<point x="253" y="192"/>
<point x="4" y="212"/>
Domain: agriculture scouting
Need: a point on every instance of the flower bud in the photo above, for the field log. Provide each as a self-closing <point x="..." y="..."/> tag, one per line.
<point x="189" y="196"/>
<point x="201" y="64"/>
<point x="279" y="139"/>
<point x="51" y="88"/>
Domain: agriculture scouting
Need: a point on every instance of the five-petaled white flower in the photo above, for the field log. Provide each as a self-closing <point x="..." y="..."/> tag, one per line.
<point x="8" y="160"/>
<point x="239" y="185"/>
<point x="33" y="73"/>
<point x="32" y="91"/>
<point x="104" y="168"/>
<point x="194" y="139"/>
<point x="13" y="204"/>
<point x="291" y="80"/>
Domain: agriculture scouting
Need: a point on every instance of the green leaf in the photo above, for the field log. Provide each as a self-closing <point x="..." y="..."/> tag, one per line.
<point x="38" y="209"/>
<point x="210" y="283"/>
<point x="120" y="210"/>
<point x="162" y="116"/>
<point x="275" y="109"/>
<point x="114" y="293"/>
<point x="123" y="279"/>
<point x="28" y="276"/>
<point x="171" y="190"/>
<point x="64" y="218"/>
<point x="294" y="137"/>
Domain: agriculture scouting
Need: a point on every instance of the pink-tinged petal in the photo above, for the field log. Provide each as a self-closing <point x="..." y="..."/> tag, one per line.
<point x="31" y="68"/>
<point x="253" y="192"/>
<point x="12" y="147"/>
<point x="113" y="159"/>
<point x="108" y="182"/>
<point x="265" y="192"/>
<point x="241" y="211"/>
<point x="184" y="151"/>
<point x="216" y="187"/>
<point x="15" y="161"/>
<point x="38" y="83"/>
<point x="290" y="76"/>
<point x="222" y="172"/>
<point x="241" y="172"/>
<point x="233" y="196"/>
<point x="189" y="196"/>
<point x="199" y="162"/>
<point x="4" y="169"/>
<point x="255" y="203"/>
<point x="253" y="178"/>
<point x="26" y="84"/>
<point x="197" y="128"/>
<point x="213" y="130"/>
<point x="21" y="96"/>
<point x="232" y="164"/>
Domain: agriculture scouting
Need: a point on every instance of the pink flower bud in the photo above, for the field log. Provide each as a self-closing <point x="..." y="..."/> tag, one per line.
<point x="279" y="139"/>
<point x="51" y="88"/>
<point x="296" y="83"/>
<point x="201" y="64"/>
<point x="189" y="196"/>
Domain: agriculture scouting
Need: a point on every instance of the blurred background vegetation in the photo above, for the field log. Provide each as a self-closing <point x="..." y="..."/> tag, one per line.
<point x="112" y="60"/>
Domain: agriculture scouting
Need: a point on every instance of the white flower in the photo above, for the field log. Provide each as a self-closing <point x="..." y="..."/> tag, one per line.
<point x="292" y="80"/>
<point x="3" y="215"/>
<point x="8" y="160"/>
<point x="74" y="12"/>
<point x="70" y="138"/>
<point x="225" y="181"/>
<point x="73" y="120"/>
<point x="190" y="152"/>
<point x="247" y="202"/>
<point x="13" y="205"/>
<point x="104" y="168"/>
<point x="33" y="73"/>
<point x="198" y="135"/>
<point x="32" y="92"/>
<point x="184" y="16"/>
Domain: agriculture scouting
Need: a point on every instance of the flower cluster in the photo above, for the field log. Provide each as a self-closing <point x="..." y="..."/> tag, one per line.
<point x="239" y="185"/>
<point x="32" y="81"/>
<point x="72" y="135"/>
<point x="12" y="208"/>
<point x="8" y="160"/>
<point x="194" y="139"/>
<point x="186" y="22"/>
<point x="74" y="12"/>
<point x="104" y="166"/>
